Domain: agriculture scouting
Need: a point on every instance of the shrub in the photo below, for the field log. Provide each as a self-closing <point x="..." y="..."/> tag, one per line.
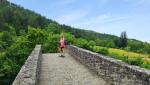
<point x="145" y="65"/>
<point x="149" y="56"/>
<point x="101" y="50"/>
<point x="137" y="61"/>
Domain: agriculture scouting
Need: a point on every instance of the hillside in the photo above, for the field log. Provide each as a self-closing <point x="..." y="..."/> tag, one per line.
<point x="21" y="29"/>
<point x="20" y="18"/>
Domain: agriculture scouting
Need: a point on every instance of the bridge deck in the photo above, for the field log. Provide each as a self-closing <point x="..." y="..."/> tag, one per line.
<point x="57" y="70"/>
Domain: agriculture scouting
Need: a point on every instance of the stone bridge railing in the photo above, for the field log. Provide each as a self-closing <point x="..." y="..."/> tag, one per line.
<point x="113" y="71"/>
<point x="29" y="72"/>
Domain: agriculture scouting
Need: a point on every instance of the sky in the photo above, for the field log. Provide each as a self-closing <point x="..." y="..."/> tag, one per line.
<point x="104" y="16"/>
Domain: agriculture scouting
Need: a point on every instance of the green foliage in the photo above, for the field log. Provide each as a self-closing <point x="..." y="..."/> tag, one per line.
<point x="3" y="45"/>
<point x="12" y="15"/>
<point x="18" y="52"/>
<point x="54" y="27"/>
<point x="36" y="36"/>
<point x="105" y="43"/>
<point x="81" y="42"/>
<point x="101" y="50"/>
<point x="20" y="18"/>
<point x="51" y="44"/>
<point x="137" y="61"/>
<point x="5" y="40"/>
<point x="70" y="38"/>
<point x="122" y="41"/>
<point x="13" y="59"/>
<point x="135" y="45"/>
<point x="145" y="65"/>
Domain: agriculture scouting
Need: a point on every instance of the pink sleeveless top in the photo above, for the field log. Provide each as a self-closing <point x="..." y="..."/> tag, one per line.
<point x="62" y="43"/>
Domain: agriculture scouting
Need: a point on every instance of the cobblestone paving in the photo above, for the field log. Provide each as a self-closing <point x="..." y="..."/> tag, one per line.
<point x="66" y="70"/>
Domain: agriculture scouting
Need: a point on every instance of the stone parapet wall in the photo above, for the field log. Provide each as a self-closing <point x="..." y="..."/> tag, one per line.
<point x="115" y="72"/>
<point x="29" y="72"/>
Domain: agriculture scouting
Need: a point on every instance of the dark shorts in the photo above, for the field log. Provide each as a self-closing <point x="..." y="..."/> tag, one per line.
<point x="62" y="47"/>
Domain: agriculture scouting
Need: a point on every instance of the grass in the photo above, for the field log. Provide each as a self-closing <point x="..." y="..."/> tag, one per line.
<point x="132" y="58"/>
<point x="142" y="60"/>
<point x="125" y="53"/>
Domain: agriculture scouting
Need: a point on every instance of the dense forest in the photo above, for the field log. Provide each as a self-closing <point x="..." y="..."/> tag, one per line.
<point x="21" y="29"/>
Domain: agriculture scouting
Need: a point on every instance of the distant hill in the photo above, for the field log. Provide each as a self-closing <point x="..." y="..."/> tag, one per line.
<point x="20" y="18"/>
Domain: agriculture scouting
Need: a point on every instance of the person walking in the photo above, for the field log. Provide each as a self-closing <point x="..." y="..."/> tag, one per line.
<point x="62" y="45"/>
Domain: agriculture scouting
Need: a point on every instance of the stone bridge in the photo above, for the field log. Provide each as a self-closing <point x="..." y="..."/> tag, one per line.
<point x="78" y="67"/>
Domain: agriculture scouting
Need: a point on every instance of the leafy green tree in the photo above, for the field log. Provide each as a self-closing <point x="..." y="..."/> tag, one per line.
<point x="6" y="39"/>
<point x="122" y="41"/>
<point x="51" y="43"/>
<point x="135" y="46"/>
<point x="147" y="48"/>
<point x="81" y="42"/>
<point x="13" y="59"/>
<point x="54" y="27"/>
<point x="69" y="38"/>
<point x="35" y="36"/>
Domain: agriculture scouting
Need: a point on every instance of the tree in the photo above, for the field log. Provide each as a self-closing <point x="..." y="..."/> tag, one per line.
<point x="5" y="39"/>
<point x="122" y="41"/>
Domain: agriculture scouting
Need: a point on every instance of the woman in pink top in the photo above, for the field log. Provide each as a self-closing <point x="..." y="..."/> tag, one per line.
<point x="62" y="44"/>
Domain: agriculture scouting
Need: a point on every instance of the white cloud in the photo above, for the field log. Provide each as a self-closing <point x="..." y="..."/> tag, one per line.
<point x="72" y="17"/>
<point x="98" y="21"/>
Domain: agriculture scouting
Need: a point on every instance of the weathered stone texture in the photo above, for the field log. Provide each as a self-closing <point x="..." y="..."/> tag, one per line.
<point x="113" y="71"/>
<point x="66" y="70"/>
<point x="29" y="72"/>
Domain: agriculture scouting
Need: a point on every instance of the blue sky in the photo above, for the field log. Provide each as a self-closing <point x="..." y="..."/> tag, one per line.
<point x="104" y="16"/>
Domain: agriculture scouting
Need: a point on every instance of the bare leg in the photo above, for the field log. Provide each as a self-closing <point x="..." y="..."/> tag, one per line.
<point x="60" y="51"/>
<point x="63" y="51"/>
